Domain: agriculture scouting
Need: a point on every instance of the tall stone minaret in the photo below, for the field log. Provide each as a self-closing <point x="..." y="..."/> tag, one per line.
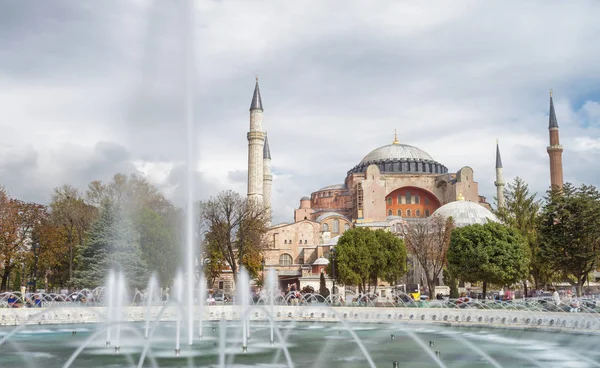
<point x="499" y="183"/>
<point x="554" y="150"/>
<point x="256" y="141"/>
<point x="267" y="177"/>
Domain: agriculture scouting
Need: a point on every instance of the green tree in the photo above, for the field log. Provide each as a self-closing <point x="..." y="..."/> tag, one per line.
<point x="323" y="286"/>
<point x="73" y="217"/>
<point x="522" y="212"/>
<point x="491" y="253"/>
<point x="570" y="232"/>
<point x="214" y="262"/>
<point x="114" y="244"/>
<point x="159" y="242"/>
<point x="354" y="257"/>
<point x="236" y="227"/>
<point x="389" y="258"/>
<point x="155" y="219"/>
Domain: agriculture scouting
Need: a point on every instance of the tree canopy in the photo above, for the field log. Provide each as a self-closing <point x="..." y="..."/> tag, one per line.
<point x="491" y="253"/>
<point x="428" y="241"/>
<point x="363" y="256"/>
<point x="235" y="227"/>
<point x="114" y="244"/>
<point x="570" y="232"/>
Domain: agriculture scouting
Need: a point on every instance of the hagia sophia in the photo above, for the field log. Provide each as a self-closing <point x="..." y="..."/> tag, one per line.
<point x="391" y="186"/>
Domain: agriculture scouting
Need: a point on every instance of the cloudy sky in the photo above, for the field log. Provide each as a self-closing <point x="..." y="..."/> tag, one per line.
<point x="90" y="88"/>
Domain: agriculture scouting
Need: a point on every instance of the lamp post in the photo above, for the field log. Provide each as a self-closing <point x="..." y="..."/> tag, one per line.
<point x="36" y="252"/>
<point x="332" y="252"/>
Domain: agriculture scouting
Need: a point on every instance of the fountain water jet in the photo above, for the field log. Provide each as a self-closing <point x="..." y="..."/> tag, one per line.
<point x="109" y="306"/>
<point x="119" y="309"/>
<point x="243" y="284"/>
<point x="188" y="79"/>
<point x="152" y="286"/>
<point x="271" y="285"/>
<point x="179" y="295"/>
<point x="201" y="302"/>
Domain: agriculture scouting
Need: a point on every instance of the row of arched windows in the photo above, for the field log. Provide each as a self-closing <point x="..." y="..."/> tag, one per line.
<point x="285" y="241"/>
<point x="409" y="213"/>
<point x="336" y="226"/>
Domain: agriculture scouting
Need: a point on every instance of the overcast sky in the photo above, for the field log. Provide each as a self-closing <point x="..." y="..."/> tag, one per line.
<point x="90" y="88"/>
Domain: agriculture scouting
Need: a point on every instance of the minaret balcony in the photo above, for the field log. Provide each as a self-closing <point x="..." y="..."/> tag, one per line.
<point x="555" y="147"/>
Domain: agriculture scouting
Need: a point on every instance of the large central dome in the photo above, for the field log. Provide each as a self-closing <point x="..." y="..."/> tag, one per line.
<point x="396" y="151"/>
<point x="400" y="159"/>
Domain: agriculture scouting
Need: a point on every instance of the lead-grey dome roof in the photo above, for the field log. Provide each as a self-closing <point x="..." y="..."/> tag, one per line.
<point x="400" y="159"/>
<point x="466" y="213"/>
<point x="396" y="151"/>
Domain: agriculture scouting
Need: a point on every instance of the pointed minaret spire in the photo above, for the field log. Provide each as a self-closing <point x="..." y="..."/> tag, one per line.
<point x="498" y="158"/>
<point x="267" y="178"/>
<point x="552" y="122"/>
<point x="499" y="183"/>
<point x="256" y="100"/>
<point x="266" y="150"/>
<point x="555" y="150"/>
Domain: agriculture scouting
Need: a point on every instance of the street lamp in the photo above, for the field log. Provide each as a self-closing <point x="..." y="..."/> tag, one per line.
<point x="36" y="252"/>
<point x="332" y="252"/>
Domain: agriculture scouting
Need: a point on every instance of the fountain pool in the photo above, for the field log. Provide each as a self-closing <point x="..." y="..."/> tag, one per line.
<point x="310" y="344"/>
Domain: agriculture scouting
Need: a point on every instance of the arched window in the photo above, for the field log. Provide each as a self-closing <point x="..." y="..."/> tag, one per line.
<point x="418" y="213"/>
<point x="389" y="201"/>
<point x="427" y="213"/>
<point x="325" y="227"/>
<point x="399" y="199"/>
<point x="285" y="241"/>
<point x="417" y="199"/>
<point x="408" y="198"/>
<point x="300" y="241"/>
<point x="305" y="241"/>
<point x="390" y="212"/>
<point x="290" y="241"/>
<point x="399" y="212"/>
<point x="346" y="227"/>
<point x="285" y="260"/>
<point x="336" y="226"/>
<point x="407" y="213"/>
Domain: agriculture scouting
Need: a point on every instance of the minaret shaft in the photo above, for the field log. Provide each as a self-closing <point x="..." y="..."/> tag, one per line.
<point x="554" y="150"/>
<point x="256" y="141"/>
<point x="499" y="183"/>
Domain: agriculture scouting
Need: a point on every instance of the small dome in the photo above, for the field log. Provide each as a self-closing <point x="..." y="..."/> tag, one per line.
<point x="466" y="213"/>
<point x="327" y="215"/>
<point x="334" y="240"/>
<point x="305" y="198"/>
<point x="321" y="262"/>
<point x="396" y="151"/>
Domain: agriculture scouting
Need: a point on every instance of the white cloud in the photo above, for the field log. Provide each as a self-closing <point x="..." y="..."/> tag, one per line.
<point x="89" y="90"/>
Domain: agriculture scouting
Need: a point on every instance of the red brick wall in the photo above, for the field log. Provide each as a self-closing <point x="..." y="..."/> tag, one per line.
<point x="427" y="202"/>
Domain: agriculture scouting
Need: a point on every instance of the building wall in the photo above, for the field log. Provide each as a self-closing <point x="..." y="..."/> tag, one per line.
<point x="291" y="239"/>
<point x="331" y="200"/>
<point x="411" y="202"/>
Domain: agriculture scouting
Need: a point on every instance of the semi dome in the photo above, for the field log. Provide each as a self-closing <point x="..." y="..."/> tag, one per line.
<point x="466" y="213"/>
<point x="396" y="151"/>
<point x="321" y="262"/>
